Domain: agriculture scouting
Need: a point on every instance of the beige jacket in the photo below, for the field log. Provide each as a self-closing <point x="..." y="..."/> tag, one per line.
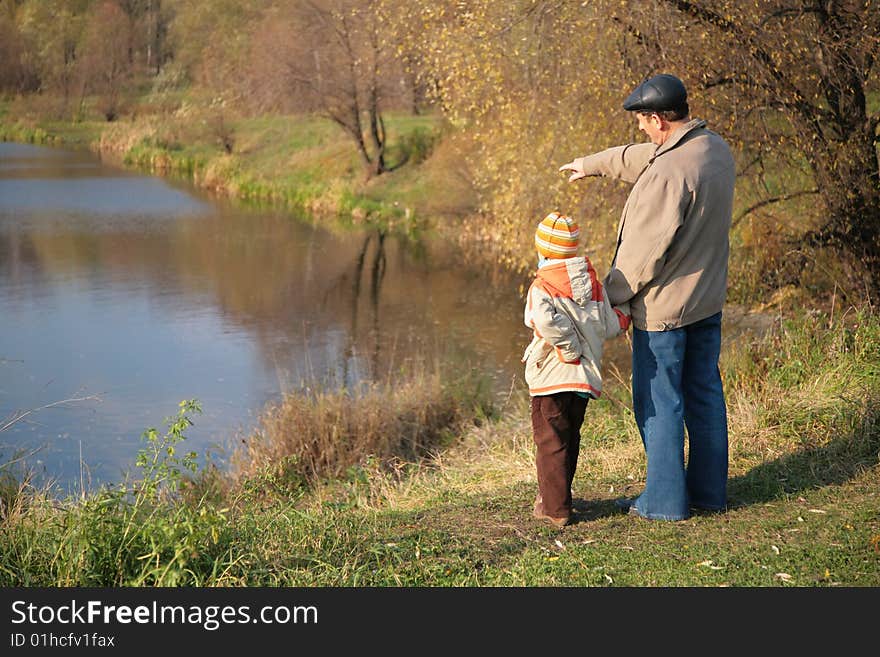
<point x="672" y="243"/>
<point x="570" y="317"/>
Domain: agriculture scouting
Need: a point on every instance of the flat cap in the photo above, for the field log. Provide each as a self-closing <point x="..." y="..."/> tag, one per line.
<point x="661" y="92"/>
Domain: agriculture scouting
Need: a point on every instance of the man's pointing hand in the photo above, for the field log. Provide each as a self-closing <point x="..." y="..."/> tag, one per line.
<point x="575" y="167"/>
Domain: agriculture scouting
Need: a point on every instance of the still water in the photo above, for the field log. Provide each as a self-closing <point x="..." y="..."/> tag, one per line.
<point x="132" y="293"/>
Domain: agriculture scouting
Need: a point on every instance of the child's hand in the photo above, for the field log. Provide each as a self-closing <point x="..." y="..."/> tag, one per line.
<point x="574" y="166"/>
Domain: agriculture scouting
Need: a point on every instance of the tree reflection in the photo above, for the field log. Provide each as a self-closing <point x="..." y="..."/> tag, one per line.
<point x="371" y="342"/>
<point x="321" y="304"/>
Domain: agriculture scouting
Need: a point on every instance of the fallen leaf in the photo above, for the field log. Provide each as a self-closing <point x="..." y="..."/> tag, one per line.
<point x="785" y="577"/>
<point x="608" y="577"/>
<point x="800" y="519"/>
<point x="553" y="557"/>
<point x="816" y="511"/>
<point x="559" y="544"/>
<point x="775" y="549"/>
<point x="707" y="562"/>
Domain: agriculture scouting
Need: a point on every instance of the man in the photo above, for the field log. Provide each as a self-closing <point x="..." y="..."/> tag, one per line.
<point x="671" y="266"/>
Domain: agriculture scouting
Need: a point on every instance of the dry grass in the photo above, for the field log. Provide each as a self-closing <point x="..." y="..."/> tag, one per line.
<point x="309" y="437"/>
<point x="778" y="421"/>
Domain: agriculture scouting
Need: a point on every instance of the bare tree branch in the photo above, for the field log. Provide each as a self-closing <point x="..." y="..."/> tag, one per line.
<point x="544" y="7"/>
<point x="769" y="201"/>
<point x="792" y="11"/>
<point x="797" y="102"/>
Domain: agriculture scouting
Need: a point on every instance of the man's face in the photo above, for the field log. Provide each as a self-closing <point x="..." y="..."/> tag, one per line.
<point x="652" y="125"/>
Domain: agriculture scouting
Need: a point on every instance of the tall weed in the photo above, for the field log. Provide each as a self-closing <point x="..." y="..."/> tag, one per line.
<point x="307" y="437"/>
<point x="141" y="532"/>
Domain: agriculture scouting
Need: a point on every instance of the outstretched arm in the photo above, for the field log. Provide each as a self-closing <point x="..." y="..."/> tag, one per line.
<point x="623" y="162"/>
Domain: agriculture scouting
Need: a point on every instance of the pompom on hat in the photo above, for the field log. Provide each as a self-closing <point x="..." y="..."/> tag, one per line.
<point x="557" y="236"/>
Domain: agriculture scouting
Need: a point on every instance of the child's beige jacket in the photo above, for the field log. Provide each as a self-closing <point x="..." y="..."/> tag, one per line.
<point x="571" y="318"/>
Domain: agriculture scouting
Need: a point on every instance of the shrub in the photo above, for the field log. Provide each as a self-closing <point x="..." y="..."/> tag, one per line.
<point x="138" y="533"/>
<point x="308" y="437"/>
<point x="418" y="144"/>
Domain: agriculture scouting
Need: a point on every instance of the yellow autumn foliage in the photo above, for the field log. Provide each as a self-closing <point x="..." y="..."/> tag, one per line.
<point x="535" y="83"/>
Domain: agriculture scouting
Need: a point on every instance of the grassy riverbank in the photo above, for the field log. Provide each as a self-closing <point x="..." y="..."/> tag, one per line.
<point x="804" y="405"/>
<point x="435" y="487"/>
<point x="304" y="163"/>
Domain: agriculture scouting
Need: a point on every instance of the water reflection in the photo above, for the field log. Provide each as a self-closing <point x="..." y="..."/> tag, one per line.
<point x="146" y="293"/>
<point x="353" y="279"/>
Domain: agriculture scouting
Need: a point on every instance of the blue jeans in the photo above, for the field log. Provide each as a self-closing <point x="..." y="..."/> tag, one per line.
<point x="676" y="382"/>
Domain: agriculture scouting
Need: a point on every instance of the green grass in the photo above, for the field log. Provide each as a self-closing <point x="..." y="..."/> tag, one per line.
<point x="804" y="405"/>
<point x="20" y="122"/>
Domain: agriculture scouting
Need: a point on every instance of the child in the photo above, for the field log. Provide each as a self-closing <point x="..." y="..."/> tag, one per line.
<point x="570" y="317"/>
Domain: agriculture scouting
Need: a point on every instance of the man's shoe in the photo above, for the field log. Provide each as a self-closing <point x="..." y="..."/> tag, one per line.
<point x="627" y="505"/>
<point x="538" y="512"/>
<point x="633" y="511"/>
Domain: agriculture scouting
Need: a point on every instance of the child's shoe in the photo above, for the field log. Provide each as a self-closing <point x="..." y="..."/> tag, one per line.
<point x="538" y="512"/>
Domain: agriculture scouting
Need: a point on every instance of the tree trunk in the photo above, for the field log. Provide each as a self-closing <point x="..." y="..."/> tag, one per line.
<point x="377" y="132"/>
<point x="825" y="103"/>
<point x="847" y="172"/>
<point x="847" y="178"/>
<point x="358" y="136"/>
<point x="377" y="125"/>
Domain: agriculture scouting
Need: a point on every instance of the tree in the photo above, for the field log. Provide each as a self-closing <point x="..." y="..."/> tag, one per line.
<point x="106" y="62"/>
<point x="332" y="57"/>
<point x="531" y="85"/>
<point x="788" y="82"/>
<point x="149" y="27"/>
<point x="794" y="76"/>
<point x="210" y="40"/>
<point x="157" y="25"/>
<point x="16" y="73"/>
<point x="53" y="29"/>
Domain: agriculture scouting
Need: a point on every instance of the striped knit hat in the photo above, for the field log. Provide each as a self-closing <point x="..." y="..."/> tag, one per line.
<point x="557" y="236"/>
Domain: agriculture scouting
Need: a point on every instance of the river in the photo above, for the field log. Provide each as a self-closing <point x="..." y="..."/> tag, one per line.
<point x="130" y="293"/>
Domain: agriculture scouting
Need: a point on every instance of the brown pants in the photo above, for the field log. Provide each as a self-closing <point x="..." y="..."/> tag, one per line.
<point x="556" y="428"/>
